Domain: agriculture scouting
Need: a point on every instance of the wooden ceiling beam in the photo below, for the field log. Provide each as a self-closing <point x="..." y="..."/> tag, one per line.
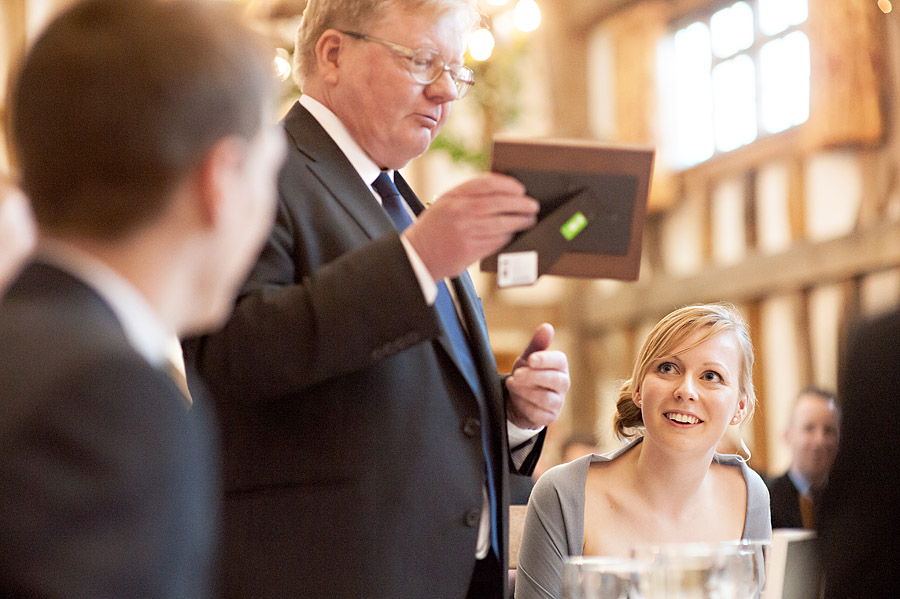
<point x="805" y="265"/>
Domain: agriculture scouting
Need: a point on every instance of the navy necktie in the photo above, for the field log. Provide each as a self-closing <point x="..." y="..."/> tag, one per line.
<point x="394" y="205"/>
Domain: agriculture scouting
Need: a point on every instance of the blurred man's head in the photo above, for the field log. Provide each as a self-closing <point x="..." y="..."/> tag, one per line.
<point x="130" y="117"/>
<point x="813" y="434"/>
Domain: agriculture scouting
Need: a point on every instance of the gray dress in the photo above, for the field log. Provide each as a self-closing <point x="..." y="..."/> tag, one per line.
<point x="554" y="523"/>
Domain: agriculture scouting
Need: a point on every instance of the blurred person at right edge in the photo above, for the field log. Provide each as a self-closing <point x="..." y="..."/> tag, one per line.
<point x="812" y="434"/>
<point x="859" y="516"/>
<point x="143" y="140"/>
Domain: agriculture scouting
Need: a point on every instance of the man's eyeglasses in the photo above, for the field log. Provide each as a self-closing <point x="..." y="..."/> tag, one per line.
<point x="426" y="65"/>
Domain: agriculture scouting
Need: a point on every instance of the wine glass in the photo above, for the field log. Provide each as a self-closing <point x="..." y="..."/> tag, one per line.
<point x="604" y="578"/>
<point x="693" y="570"/>
<point x="746" y="567"/>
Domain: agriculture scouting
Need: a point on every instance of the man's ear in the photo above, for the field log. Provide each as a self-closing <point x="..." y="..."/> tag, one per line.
<point x="218" y="176"/>
<point x="328" y="54"/>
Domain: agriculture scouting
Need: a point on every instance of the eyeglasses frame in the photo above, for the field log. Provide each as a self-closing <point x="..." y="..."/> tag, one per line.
<point x="462" y="85"/>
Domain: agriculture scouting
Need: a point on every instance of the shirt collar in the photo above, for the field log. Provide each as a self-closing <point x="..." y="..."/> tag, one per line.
<point x="799" y="481"/>
<point x="143" y="328"/>
<point x="333" y="126"/>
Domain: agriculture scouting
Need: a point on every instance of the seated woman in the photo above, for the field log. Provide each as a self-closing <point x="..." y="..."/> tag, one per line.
<point x="692" y="380"/>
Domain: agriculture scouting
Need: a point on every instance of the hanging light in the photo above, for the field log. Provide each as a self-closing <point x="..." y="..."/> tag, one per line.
<point x="481" y="44"/>
<point x="282" y="64"/>
<point x="527" y="15"/>
<point x="885" y="6"/>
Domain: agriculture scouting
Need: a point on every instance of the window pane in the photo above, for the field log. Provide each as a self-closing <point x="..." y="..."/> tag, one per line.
<point x="734" y="93"/>
<point x="693" y="100"/>
<point x="732" y="29"/>
<point x="785" y="82"/>
<point x="777" y="15"/>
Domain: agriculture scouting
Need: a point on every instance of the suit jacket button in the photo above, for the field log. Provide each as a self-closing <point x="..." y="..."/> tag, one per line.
<point x="473" y="517"/>
<point x="472" y="427"/>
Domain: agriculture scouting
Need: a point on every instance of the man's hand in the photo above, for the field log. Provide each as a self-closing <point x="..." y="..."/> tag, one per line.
<point x="539" y="382"/>
<point x="470" y="222"/>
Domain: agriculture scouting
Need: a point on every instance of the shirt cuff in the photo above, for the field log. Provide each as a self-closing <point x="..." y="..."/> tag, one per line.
<point x="426" y="282"/>
<point x="521" y="441"/>
<point x="518" y="435"/>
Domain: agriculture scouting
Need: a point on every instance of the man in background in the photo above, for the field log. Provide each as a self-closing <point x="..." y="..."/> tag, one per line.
<point x="140" y="131"/>
<point x="368" y="437"/>
<point x="812" y="434"/>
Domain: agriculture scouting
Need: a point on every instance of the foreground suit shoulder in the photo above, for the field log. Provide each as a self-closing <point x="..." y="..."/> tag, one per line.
<point x="108" y="480"/>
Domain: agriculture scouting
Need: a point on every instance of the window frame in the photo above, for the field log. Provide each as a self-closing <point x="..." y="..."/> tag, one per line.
<point x="765" y="143"/>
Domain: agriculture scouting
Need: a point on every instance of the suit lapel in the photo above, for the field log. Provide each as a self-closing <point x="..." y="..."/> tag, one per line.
<point x="342" y="181"/>
<point x="347" y="188"/>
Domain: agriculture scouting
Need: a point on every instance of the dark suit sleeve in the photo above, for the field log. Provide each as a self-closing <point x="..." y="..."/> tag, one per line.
<point x="95" y="472"/>
<point x="297" y="323"/>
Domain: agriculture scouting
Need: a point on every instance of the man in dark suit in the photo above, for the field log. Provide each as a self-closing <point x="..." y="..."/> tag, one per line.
<point x="139" y="130"/>
<point x="368" y="438"/>
<point x="858" y="523"/>
<point x="812" y="434"/>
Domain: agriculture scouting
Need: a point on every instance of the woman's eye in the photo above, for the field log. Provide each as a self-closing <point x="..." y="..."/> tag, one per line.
<point x="712" y="376"/>
<point x="666" y="368"/>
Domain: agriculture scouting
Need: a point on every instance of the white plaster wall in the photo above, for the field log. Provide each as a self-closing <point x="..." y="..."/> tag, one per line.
<point x="682" y="237"/>
<point x="773" y="233"/>
<point x="601" y="85"/>
<point x="880" y="292"/>
<point x="729" y="243"/>
<point x="826" y="304"/>
<point x="616" y="366"/>
<point x="833" y="194"/>
<point x="781" y="376"/>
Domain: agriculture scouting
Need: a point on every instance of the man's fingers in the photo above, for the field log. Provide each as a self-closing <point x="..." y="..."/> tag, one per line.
<point x="540" y="341"/>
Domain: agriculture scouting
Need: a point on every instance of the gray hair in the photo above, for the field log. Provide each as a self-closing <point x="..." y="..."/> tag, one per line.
<point x="354" y="15"/>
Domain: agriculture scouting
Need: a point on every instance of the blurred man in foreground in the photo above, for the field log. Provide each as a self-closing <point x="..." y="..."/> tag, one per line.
<point x="141" y="134"/>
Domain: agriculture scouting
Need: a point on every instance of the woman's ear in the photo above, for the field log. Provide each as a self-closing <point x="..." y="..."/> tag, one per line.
<point x="741" y="412"/>
<point x="636" y="398"/>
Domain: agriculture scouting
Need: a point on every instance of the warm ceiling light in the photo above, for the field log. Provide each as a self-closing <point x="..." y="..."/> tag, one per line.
<point x="885" y="6"/>
<point x="527" y="15"/>
<point x="282" y="64"/>
<point x="481" y="44"/>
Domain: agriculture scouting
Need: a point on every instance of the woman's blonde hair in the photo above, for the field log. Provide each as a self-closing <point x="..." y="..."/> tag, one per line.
<point x="667" y="336"/>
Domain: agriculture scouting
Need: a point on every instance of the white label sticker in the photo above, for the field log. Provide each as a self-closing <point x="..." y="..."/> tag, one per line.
<point x="517" y="268"/>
